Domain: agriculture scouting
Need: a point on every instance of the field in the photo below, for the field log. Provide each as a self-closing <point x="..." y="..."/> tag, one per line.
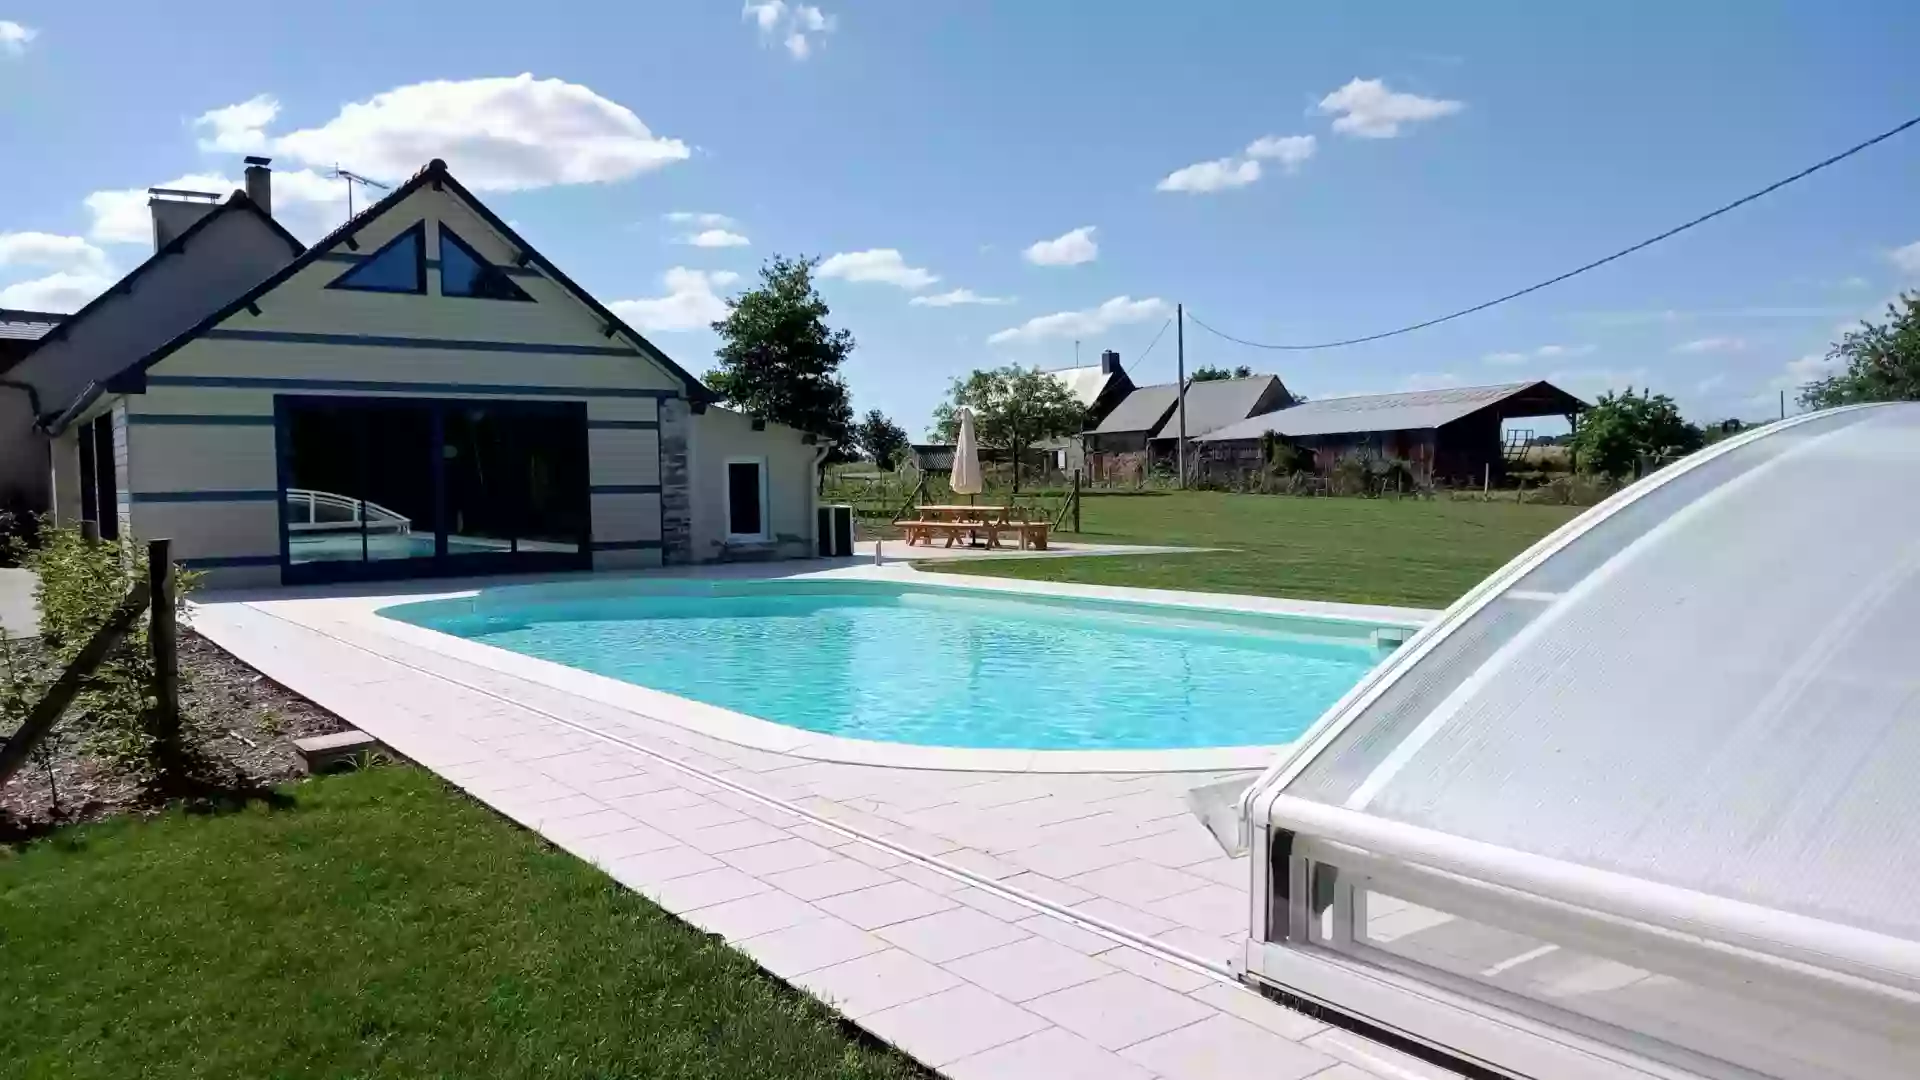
<point x="1418" y="553"/>
<point x="381" y="926"/>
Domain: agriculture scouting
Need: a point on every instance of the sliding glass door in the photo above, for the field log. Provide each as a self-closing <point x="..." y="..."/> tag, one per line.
<point x="399" y="487"/>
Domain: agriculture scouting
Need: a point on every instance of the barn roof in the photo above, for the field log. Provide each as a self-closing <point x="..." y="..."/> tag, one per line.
<point x="1399" y="412"/>
<point x="1215" y="403"/>
<point x="1143" y="410"/>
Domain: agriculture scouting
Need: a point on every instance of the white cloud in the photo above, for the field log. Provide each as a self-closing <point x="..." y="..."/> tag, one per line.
<point x="497" y="134"/>
<point x="304" y="201"/>
<point x="14" y="37"/>
<point x="1543" y="352"/>
<point x="1219" y="174"/>
<point x="60" y="291"/>
<point x="690" y="303"/>
<point x="1068" y="249"/>
<point x="1080" y="324"/>
<point x="1906" y="258"/>
<point x="1712" y="345"/>
<point x="238" y="129"/>
<point x="47" y="251"/>
<point x="1803" y="370"/>
<point x="798" y="27"/>
<point x="715" y="238"/>
<point x="704" y="220"/>
<point x="1858" y="282"/>
<point x="1367" y="109"/>
<point x="1291" y="151"/>
<point x="958" y="296"/>
<point x="883" y="265"/>
<point x="766" y="16"/>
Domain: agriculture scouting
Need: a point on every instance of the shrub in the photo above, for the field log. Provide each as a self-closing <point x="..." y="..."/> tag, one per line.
<point x="81" y="584"/>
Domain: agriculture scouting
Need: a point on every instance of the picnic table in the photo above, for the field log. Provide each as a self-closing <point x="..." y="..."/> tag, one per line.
<point x="966" y="522"/>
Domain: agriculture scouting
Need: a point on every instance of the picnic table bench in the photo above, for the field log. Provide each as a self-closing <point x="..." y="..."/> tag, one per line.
<point x="966" y="522"/>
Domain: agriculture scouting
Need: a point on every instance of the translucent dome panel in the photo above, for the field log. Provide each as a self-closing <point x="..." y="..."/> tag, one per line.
<point x="1717" y="687"/>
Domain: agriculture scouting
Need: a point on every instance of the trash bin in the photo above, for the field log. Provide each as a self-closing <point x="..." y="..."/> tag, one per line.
<point x="836" y="532"/>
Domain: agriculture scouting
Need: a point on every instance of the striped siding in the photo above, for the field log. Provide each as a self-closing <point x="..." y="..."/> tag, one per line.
<point x="121" y="483"/>
<point x="175" y="456"/>
<point x="418" y="389"/>
<point x="199" y="420"/>
<point x="619" y="519"/>
<point x="381" y="341"/>
<point x="206" y="496"/>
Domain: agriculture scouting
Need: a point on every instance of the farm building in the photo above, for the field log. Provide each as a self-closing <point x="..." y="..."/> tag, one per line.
<point x="1454" y="435"/>
<point x="418" y="393"/>
<point x="1144" y="429"/>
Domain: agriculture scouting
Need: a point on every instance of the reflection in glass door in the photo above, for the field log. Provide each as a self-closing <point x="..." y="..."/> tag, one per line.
<point x="392" y="487"/>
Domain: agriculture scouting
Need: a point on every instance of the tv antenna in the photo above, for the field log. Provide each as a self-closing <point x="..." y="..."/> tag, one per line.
<point x="353" y="178"/>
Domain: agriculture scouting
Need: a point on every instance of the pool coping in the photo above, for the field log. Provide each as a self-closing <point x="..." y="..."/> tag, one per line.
<point x="359" y="613"/>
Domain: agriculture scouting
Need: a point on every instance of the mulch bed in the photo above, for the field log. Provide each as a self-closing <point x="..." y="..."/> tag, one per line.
<point x="238" y="722"/>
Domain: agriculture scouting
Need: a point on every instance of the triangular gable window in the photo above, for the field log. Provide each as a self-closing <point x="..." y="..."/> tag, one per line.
<point x="398" y="267"/>
<point x="464" y="273"/>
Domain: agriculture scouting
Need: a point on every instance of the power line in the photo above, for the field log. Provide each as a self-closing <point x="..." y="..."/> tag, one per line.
<point x="1141" y="363"/>
<point x="1649" y="242"/>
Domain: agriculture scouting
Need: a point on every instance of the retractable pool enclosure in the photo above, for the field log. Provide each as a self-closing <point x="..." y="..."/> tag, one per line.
<point x="1646" y="803"/>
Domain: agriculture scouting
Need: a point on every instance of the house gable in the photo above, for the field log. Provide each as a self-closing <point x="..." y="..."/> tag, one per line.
<point x="563" y="337"/>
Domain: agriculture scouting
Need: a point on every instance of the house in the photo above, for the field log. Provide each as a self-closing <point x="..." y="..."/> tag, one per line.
<point x="1453" y="435"/>
<point x="1144" y="429"/>
<point x="206" y="251"/>
<point x="1099" y="388"/>
<point x="420" y="392"/>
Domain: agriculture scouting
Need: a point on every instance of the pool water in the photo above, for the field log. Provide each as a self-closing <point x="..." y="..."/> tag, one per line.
<point x="942" y="667"/>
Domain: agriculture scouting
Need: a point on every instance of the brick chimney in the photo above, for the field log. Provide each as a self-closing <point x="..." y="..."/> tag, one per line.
<point x="260" y="183"/>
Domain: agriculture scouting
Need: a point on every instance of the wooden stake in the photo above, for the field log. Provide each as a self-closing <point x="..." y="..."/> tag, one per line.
<point x="163" y="635"/>
<point x="1076" y="500"/>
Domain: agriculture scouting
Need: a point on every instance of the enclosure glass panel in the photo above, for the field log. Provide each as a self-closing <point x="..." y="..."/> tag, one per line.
<point x="482" y="473"/>
<point x="552" y="479"/>
<point x="400" y="481"/>
<point x="325" y="494"/>
<point x="464" y="273"/>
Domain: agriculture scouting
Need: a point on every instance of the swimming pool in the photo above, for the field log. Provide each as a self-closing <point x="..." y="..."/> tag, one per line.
<point x="938" y="666"/>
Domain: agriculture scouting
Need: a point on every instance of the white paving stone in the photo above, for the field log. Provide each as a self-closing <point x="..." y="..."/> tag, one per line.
<point x="1177" y="977"/>
<point x="1062" y="932"/>
<point x="828" y="878"/>
<point x="652" y="867"/>
<point x="1214" y="909"/>
<point x="1049" y="1054"/>
<point x="1119" y="1010"/>
<point x="1222" y="1047"/>
<point x="952" y="934"/>
<point x="945" y="1027"/>
<point x="878" y="981"/>
<point x="758" y="913"/>
<point x="810" y="946"/>
<point x="1136" y="883"/>
<point x="1251" y="1007"/>
<point x="789" y="853"/>
<point x="705" y="888"/>
<point x="883" y="905"/>
<point x="1028" y="969"/>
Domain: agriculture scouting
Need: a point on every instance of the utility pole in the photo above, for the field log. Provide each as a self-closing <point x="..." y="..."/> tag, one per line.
<point x="1783" y="404"/>
<point x="1180" y="347"/>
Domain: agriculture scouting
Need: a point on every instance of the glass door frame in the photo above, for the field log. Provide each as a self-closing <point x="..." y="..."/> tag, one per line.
<point x="441" y="563"/>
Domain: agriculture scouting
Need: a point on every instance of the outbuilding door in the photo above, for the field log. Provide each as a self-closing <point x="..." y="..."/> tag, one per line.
<point x="411" y="487"/>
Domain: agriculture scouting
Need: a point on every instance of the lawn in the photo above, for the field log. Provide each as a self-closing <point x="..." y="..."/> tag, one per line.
<point x="381" y="926"/>
<point x="1372" y="551"/>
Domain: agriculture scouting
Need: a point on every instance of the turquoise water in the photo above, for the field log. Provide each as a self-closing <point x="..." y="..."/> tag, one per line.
<point x="941" y="667"/>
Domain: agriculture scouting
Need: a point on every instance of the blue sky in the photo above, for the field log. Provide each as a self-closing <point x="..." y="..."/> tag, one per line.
<point x="1457" y="151"/>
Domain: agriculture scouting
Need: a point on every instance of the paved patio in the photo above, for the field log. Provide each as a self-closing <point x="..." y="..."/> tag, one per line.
<point x="991" y="924"/>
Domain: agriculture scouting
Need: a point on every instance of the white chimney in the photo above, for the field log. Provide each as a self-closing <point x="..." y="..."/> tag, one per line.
<point x="175" y="211"/>
<point x="260" y="183"/>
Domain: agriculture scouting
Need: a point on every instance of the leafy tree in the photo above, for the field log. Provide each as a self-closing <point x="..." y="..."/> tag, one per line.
<point x="1013" y="408"/>
<point x="1205" y="373"/>
<point x="881" y="438"/>
<point x="1621" y="428"/>
<point x="1882" y="361"/>
<point x="778" y="359"/>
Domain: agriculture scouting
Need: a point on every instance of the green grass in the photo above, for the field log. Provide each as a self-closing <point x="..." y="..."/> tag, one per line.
<point x="1367" y="551"/>
<point x="384" y="926"/>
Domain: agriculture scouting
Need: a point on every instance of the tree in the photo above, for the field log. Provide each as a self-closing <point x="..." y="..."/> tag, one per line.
<point x="880" y="438"/>
<point x="1205" y="373"/>
<point x="778" y="359"/>
<point x="1882" y="361"/>
<point x="1013" y="408"/>
<point x="1622" y="428"/>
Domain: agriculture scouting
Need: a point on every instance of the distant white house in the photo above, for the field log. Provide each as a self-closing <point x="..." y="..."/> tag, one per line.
<point x="420" y="392"/>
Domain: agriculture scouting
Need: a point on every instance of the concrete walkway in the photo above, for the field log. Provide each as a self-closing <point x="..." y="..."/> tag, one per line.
<point x="18" y="615"/>
<point x="989" y="924"/>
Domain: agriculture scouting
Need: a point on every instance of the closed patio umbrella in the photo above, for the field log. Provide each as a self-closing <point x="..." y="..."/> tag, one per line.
<point x="966" y="459"/>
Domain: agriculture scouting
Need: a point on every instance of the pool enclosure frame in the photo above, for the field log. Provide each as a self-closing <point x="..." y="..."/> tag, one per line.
<point x="1317" y="867"/>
